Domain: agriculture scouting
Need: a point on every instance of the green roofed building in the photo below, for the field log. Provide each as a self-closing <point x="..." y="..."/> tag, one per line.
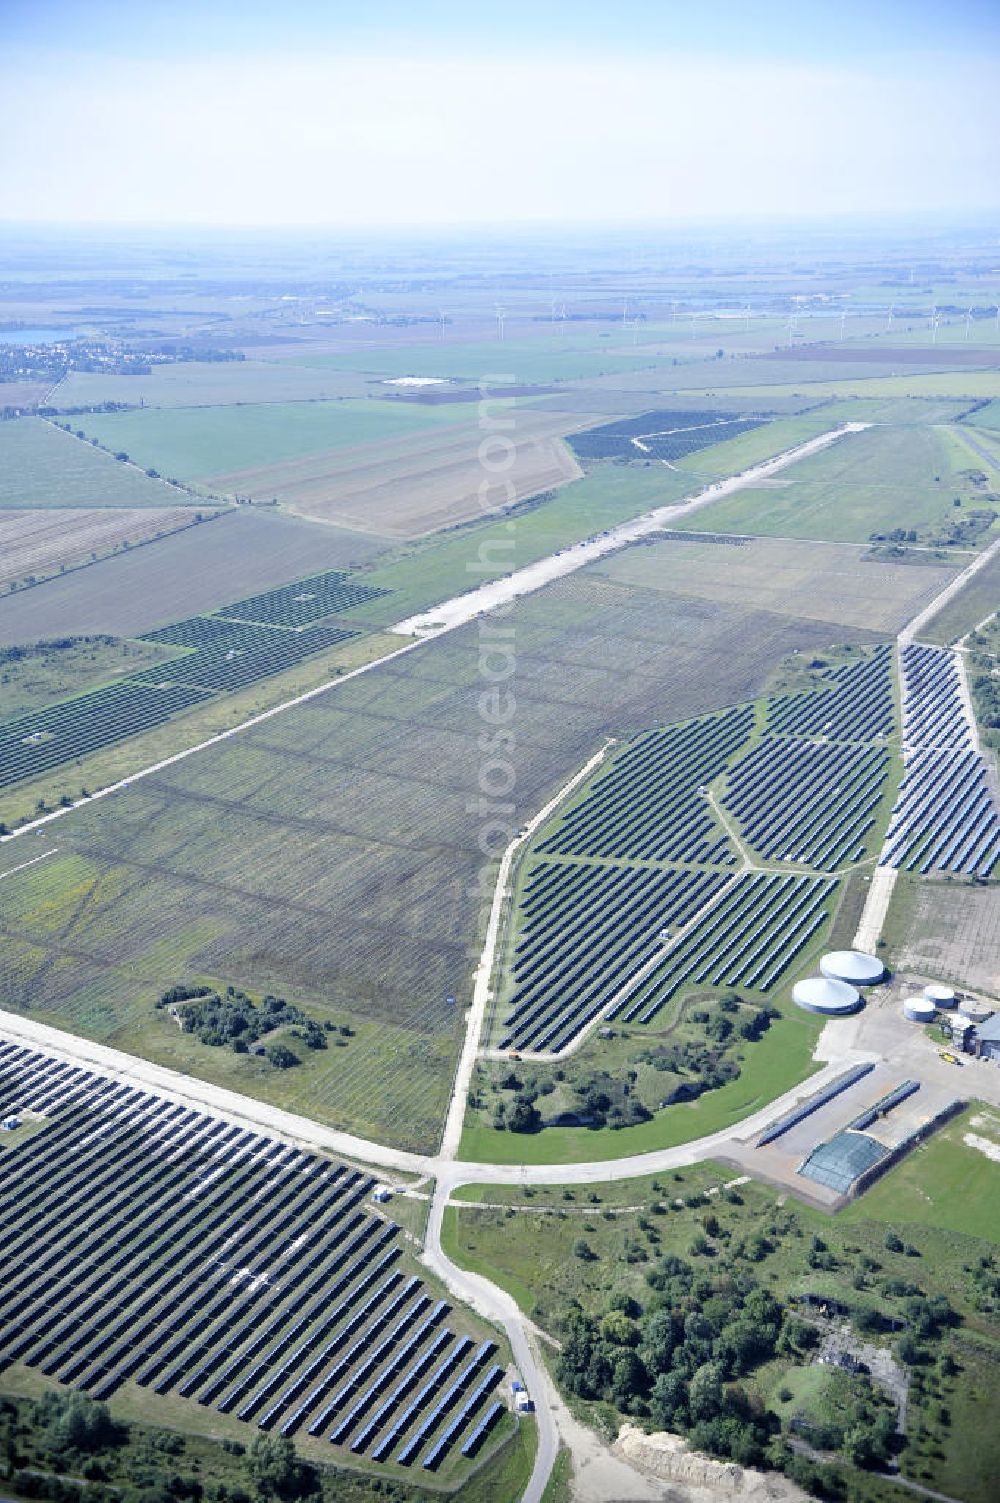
<point x="838" y="1163"/>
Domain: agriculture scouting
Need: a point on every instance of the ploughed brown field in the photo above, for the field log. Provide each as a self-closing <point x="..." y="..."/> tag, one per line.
<point x="414" y="484"/>
<point x="41" y="543"/>
<point x="23" y="393"/>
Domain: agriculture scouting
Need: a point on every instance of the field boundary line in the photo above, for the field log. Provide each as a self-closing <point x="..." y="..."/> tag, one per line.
<point x="25" y="864"/>
<point x="129" y="464"/>
<point x="220" y="736"/>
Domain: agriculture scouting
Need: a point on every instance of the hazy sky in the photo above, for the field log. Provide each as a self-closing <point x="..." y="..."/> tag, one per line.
<point x="420" y="113"/>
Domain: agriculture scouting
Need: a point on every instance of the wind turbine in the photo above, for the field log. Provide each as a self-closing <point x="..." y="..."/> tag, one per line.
<point x="625" y="311"/>
<point x="500" y="318"/>
<point x="968" y="321"/>
<point x="892" y="309"/>
<point x="997" y="311"/>
<point x="843" y="322"/>
<point x="935" y="320"/>
<point x="746" y="317"/>
<point x="442" y="320"/>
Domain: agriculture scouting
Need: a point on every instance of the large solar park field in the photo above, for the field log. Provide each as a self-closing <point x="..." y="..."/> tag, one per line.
<point x="147" y="1246"/>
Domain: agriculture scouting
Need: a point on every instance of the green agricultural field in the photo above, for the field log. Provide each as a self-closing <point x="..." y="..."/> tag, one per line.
<point x="42" y="466"/>
<point x="866" y="483"/>
<point x="210" y="384"/>
<point x="198" y="443"/>
<point x="558" y="357"/>
<point x="901" y="410"/>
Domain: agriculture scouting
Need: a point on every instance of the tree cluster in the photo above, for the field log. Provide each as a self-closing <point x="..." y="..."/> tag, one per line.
<point x="680" y="1362"/>
<point x="233" y="1018"/>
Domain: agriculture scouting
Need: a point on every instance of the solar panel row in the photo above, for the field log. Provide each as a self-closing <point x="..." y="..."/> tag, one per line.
<point x="144" y="1240"/>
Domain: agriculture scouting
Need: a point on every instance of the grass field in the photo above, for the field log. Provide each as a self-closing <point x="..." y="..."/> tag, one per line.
<point x="37" y="544"/>
<point x="45" y="674"/>
<point x="209" y="384"/>
<point x="197" y="444"/>
<point x="837" y="584"/>
<point x="901" y="410"/>
<point x="237" y="553"/>
<point x="751" y="448"/>
<point x="557" y="357"/>
<point x="987" y="417"/>
<point x="967" y="386"/>
<point x="973" y="603"/>
<point x="329" y="856"/>
<point x="944" y="1184"/>
<point x="42" y="466"/>
<point x="873" y="481"/>
<point x="781" y="1060"/>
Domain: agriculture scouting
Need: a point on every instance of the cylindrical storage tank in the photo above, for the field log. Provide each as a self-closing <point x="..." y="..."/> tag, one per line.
<point x="824" y="995"/>
<point x="919" y="1010"/>
<point x="941" y="996"/>
<point x="852" y="966"/>
<point x="960" y="1022"/>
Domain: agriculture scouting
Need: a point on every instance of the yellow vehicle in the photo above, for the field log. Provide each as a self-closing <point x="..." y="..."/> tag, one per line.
<point x="950" y="1059"/>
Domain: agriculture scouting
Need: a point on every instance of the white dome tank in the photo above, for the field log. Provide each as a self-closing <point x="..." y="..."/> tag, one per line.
<point x="941" y="996"/>
<point x="919" y="1010"/>
<point x="823" y="994"/>
<point x="853" y="966"/>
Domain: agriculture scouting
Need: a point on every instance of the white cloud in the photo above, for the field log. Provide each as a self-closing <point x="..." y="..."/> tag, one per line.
<point x="368" y="139"/>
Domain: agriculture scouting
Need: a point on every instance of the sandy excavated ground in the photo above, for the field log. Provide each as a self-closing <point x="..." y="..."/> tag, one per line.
<point x="693" y="1478"/>
<point x="954" y="935"/>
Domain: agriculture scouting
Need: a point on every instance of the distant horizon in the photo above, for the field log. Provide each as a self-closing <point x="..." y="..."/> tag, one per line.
<point x="228" y="114"/>
<point x="932" y="221"/>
